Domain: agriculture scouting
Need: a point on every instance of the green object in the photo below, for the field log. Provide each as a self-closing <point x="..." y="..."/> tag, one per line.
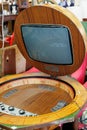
<point x="84" y="23"/>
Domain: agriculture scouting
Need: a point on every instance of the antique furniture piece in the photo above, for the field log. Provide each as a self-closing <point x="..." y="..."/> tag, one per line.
<point x="55" y="43"/>
<point x="11" y="60"/>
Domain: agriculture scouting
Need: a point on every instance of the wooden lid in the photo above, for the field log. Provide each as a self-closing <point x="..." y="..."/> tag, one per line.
<point x="53" y="15"/>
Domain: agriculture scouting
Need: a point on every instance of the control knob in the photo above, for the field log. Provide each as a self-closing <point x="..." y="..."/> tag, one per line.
<point x="21" y="112"/>
<point x="11" y="108"/>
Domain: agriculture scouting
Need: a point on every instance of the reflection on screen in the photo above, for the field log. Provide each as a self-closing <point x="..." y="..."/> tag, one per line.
<point x="48" y="43"/>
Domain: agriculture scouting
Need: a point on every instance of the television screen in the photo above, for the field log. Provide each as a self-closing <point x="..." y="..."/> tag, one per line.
<point x="48" y="43"/>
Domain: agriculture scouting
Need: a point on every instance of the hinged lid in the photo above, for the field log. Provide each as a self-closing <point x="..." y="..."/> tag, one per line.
<point x="51" y="38"/>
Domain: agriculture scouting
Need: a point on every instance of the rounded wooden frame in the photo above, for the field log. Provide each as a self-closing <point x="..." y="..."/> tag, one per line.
<point x="63" y="115"/>
<point x="53" y="14"/>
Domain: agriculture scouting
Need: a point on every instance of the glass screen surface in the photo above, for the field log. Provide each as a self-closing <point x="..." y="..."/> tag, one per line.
<point x="48" y="43"/>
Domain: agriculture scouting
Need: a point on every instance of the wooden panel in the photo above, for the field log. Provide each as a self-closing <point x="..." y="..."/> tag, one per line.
<point x="9" y="61"/>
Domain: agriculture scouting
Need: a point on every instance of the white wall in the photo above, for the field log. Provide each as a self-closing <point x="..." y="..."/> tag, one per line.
<point x="77" y="12"/>
<point x="80" y="10"/>
<point x="83" y="8"/>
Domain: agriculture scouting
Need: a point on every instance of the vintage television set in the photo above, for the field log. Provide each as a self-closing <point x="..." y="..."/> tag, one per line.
<point x="54" y="43"/>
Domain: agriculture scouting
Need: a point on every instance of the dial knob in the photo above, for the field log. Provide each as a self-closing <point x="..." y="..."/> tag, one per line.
<point x="11" y="108"/>
<point x="2" y="107"/>
<point x="21" y="112"/>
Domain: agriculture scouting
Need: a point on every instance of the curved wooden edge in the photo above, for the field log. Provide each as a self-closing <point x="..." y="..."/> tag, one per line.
<point x="61" y="115"/>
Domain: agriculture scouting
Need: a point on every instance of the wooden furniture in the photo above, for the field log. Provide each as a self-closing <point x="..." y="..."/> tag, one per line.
<point x="40" y="93"/>
<point x="11" y="60"/>
<point x="10" y="19"/>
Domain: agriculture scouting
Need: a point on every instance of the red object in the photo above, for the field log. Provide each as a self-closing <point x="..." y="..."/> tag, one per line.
<point x="85" y="84"/>
<point x="10" y="39"/>
<point x="7" y="39"/>
<point x="80" y="73"/>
